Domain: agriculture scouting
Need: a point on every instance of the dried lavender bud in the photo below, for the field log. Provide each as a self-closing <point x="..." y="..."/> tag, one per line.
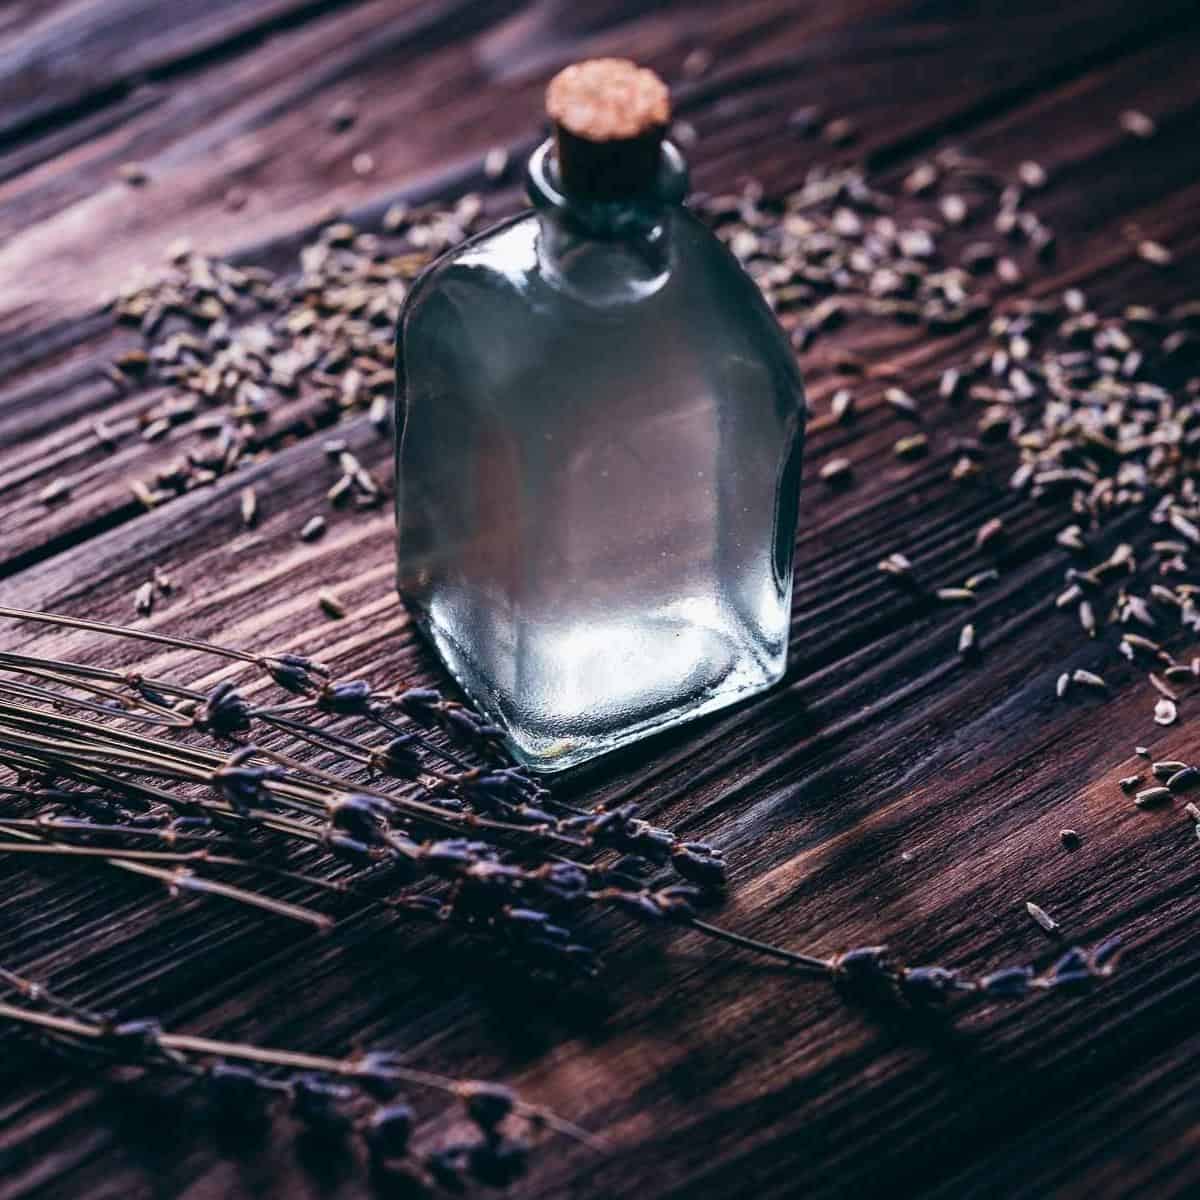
<point x="53" y="492"/>
<point x="362" y="817"/>
<point x="620" y="829"/>
<point x="863" y="962"/>
<point x="1188" y="777"/>
<point x="330" y="605"/>
<point x="420" y="704"/>
<point x="464" y="723"/>
<point x="1073" y="967"/>
<point x="143" y="601"/>
<point x="840" y="131"/>
<point x="1041" y="916"/>
<point x="1148" y="797"/>
<point x="235" y="1088"/>
<point x="389" y="1130"/>
<point x="628" y="872"/>
<point x="806" y="120"/>
<point x="966" y="641"/>
<point x="1032" y="174"/>
<point x="1155" y="252"/>
<point x="451" y="856"/>
<point x="637" y="904"/>
<point x="426" y="906"/>
<point x="320" y="1103"/>
<point x="312" y="529"/>
<point x="699" y="865"/>
<point x="913" y="446"/>
<point x="487" y="1104"/>
<point x="148" y="693"/>
<point x="902" y="402"/>
<point x="498" y="1163"/>
<point x="131" y="1040"/>
<point x="132" y="173"/>
<point x="989" y="533"/>
<point x="346" y="699"/>
<point x="527" y="918"/>
<point x="446" y="1165"/>
<point x="242" y="786"/>
<point x="224" y="711"/>
<point x="294" y="672"/>
<point x="342" y="115"/>
<point x="563" y="880"/>
<point x="379" y="1075"/>
<point x="897" y="566"/>
<point x="1009" y="984"/>
<point x="929" y="985"/>
<point x="190" y="825"/>
<point x="1137" y="123"/>
<point x="837" y="472"/>
<point x="249" y="507"/>
<point x="495" y="787"/>
<point x="346" y="848"/>
<point x="399" y="757"/>
<point x="1103" y="958"/>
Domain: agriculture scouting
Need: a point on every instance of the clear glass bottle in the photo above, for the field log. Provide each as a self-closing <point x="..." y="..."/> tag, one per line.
<point x="600" y="452"/>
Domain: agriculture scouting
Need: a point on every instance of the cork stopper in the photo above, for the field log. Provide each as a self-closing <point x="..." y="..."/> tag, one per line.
<point x="609" y="119"/>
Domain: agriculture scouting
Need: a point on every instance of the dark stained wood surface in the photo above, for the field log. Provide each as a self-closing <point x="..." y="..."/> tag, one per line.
<point x="884" y="792"/>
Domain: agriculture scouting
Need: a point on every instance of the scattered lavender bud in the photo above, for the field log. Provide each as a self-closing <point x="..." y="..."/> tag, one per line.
<point x="1041" y="916"/>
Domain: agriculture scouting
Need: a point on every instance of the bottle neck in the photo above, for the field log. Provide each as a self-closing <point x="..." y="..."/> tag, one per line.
<point x="605" y="252"/>
<point x="615" y="217"/>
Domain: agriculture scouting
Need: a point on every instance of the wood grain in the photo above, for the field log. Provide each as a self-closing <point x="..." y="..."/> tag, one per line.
<point x="886" y="790"/>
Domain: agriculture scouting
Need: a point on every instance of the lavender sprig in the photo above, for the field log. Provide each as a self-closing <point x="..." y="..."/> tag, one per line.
<point x="330" y="1096"/>
<point x="527" y="903"/>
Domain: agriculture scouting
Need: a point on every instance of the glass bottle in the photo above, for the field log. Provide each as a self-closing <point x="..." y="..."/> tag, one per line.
<point x="599" y="459"/>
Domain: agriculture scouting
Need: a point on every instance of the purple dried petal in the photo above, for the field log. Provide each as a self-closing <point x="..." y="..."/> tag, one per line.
<point x="389" y="1129"/>
<point x="1009" y="983"/>
<point x="639" y="904"/>
<point x="704" y="869"/>
<point x="421" y="704"/>
<point x="487" y="1103"/>
<point x="1104" y="957"/>
<point x="1073" y="961"/>
<point x="345" y="847"/>
<point x="319" y="1103"/>
<point x="362" y="817"/>
<point x="863" y="962"/>
<point x="564" y="880"/>
<point x="927" y="985"/>
<point x="498" y="1163"/>
<point x="346" y="699"/>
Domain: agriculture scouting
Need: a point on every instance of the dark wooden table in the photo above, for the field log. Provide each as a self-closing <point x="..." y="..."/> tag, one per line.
<point x="885" y="791"/>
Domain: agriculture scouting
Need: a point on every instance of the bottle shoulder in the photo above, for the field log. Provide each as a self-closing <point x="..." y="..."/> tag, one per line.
<point x="498" y="299"/>
<point x="504" y="254"/>
<point x="509" y="263"/>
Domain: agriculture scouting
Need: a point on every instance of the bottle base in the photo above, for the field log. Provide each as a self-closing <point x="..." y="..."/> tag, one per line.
<point x="548" y="755"/>
<point x="573" y="702"/>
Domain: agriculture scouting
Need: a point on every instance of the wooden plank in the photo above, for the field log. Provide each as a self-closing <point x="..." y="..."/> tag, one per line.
<point x="261" y="107"/>
<point x="45" y="442"/>
<point x="885" y="788"/>
<point x="61" y="60"/>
